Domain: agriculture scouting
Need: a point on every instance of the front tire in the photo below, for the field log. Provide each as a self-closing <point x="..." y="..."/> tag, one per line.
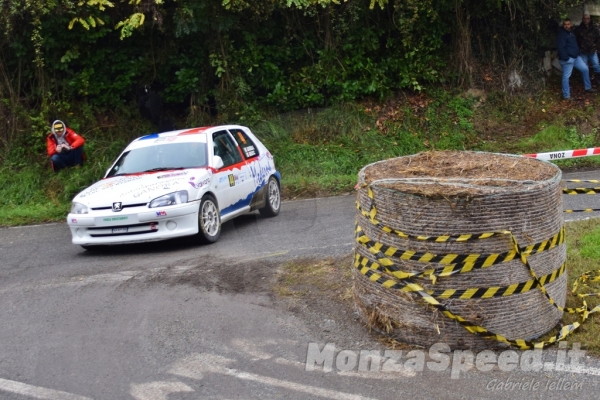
<point x="209" y="220"/>
<point x="273" y="200"/>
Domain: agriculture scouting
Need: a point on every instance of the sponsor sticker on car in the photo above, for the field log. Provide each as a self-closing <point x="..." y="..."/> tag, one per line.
<point x="116" y="220"/>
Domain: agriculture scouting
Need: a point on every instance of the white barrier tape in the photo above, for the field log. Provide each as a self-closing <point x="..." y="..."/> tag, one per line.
<point x="564" y="154"/>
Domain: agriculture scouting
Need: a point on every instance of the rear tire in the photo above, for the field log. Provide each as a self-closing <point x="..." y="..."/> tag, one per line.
<point x="209" y="220"/>
<point x="273" y="200"/>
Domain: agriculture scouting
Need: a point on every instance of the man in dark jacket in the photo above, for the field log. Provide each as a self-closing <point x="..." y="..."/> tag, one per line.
<point x="568" y="54"/>
<point x="587" y="36"/>
<point x="65" y="147"/>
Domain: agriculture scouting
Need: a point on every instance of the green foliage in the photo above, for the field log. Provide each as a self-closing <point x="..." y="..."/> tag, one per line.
<point x="248" y="55"/>
<point x="558" y="137"/>
<point x="242" y="58"/>
<point x="324" y="150"/>
<point x="130" y="24"/>
<point x="590" y="245"/>
<point x="582" y="243"/>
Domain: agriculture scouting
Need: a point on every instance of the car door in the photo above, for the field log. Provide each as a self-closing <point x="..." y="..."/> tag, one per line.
<point x="232" y="180"/>
<point x="260" y="163"/>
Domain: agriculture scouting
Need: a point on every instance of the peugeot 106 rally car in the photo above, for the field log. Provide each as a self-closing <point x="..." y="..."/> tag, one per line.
<point x="175" y="184"/>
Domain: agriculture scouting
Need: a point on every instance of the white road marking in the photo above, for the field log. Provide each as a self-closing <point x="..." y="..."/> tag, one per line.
<point x="578" y="369"/>
<point x="157" y="390"/>
<point x="354" y="374"/>
<point x="37" y="392"/>
<point x="196" y="365"/>
<point x="312" y="390"/>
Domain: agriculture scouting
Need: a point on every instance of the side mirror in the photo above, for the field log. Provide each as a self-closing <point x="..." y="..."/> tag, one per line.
<point x="218" y="162"/>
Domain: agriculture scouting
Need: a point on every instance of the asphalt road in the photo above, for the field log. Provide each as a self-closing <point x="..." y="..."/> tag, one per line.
<point x="580" y="202"/>
<point x="176" y="320"/>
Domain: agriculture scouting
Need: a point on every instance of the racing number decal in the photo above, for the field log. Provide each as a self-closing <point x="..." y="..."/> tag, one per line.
<point x="231" y="180"/>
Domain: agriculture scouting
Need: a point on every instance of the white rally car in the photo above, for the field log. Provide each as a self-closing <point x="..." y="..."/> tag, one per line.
<point x="175" y="184"/>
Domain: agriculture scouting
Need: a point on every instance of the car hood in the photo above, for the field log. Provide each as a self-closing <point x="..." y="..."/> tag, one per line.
<point x="143" y="188"/>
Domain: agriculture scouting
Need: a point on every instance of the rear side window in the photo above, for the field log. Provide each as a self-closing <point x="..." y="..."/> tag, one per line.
<point x="248" y="147"/>
<point x="224" y="147"/>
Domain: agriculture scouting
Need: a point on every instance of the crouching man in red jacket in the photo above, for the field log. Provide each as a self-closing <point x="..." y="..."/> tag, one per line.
<point x="65" y="147"/>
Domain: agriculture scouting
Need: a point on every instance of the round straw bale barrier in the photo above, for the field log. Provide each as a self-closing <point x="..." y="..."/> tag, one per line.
<point x="411" y="212"/>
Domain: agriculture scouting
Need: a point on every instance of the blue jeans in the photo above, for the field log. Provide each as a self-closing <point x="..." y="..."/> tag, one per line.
<point x="594" y="60"/>
<point x="567" y="69"/>
<point x="67" y="159"/>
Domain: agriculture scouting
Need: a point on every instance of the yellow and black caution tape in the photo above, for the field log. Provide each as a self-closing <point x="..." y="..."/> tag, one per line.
<point x="403" y="281"/>
<point x="372" y="213"/>
<point x="584" y="279"/>
<point x="451" y="263"/>
<point x="574" y="191"/>
<point x="582" y="191"/>
<point x="457" y="263"/>
<point x="463" y="266"/>
<point x="411" y="286"/>
<point x="472" y="293"/>
<point x="473" y="260"/>
<point x="499" y="291"/>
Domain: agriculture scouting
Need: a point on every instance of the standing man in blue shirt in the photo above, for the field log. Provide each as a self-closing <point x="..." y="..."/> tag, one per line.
<point x="568" y="54"/>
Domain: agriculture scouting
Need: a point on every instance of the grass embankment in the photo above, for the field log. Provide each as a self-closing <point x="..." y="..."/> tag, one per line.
<point x="330" y="280"/>
<point x="583" y="255"/>
<point x="320" y="152"/>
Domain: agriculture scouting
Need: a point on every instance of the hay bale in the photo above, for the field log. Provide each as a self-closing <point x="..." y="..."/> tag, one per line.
<point x="454" y="193"/>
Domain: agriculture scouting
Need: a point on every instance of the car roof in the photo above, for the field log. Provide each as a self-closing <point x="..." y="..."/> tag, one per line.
<point x="198" y="134"/>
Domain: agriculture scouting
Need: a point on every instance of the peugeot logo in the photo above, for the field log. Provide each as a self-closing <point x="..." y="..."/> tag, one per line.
<point x="117" y="207"/>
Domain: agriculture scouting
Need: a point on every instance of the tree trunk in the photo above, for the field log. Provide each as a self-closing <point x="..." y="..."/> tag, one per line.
<point x="463" y="53"/>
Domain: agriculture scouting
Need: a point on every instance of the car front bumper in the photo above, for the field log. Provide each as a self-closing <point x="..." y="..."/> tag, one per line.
<point x="135" y="225"/>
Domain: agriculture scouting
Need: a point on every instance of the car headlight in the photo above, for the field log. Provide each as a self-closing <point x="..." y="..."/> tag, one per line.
<point x="78" y="208"/>
<point x="170" y="199"/>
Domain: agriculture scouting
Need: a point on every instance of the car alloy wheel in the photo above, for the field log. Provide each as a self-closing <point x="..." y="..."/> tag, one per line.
<point x="209" y="220"/>
<point x="273" y="203"/>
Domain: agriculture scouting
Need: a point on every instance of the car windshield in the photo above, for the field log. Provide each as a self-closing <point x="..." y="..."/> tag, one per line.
<point x="160" y="157"/>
